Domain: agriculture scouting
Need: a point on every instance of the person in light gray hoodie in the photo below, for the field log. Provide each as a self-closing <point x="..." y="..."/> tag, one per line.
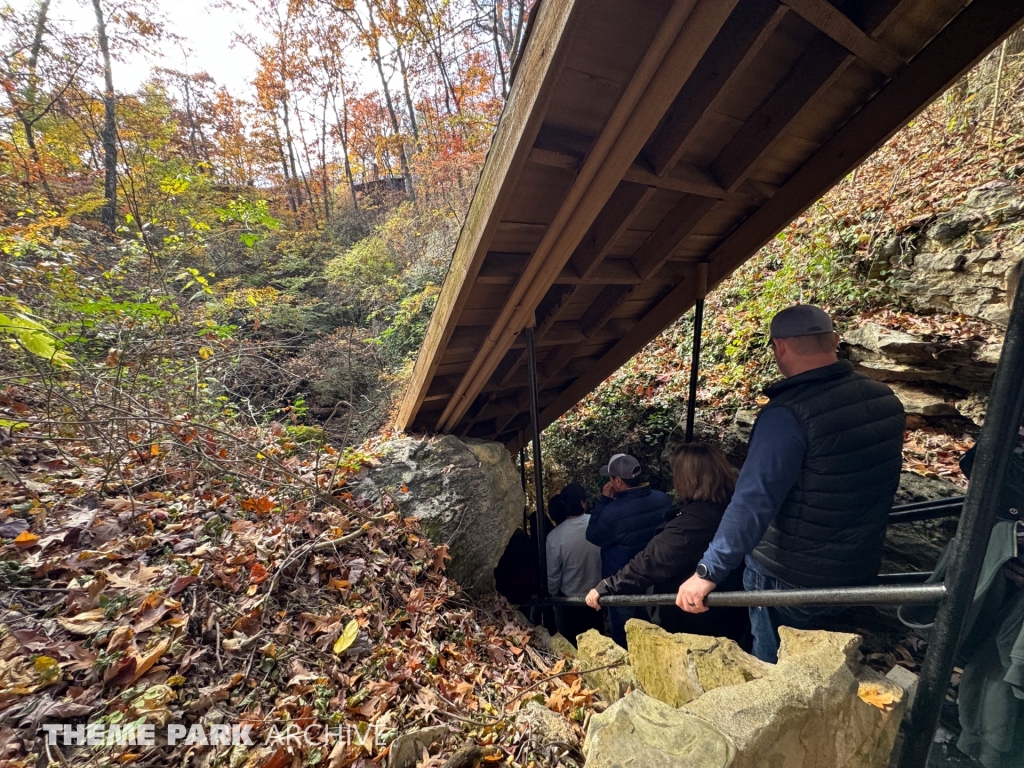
<point x="574" y="564"/>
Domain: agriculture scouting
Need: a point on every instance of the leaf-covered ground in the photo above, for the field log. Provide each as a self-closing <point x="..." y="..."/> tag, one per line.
<point x="183" y="594"/>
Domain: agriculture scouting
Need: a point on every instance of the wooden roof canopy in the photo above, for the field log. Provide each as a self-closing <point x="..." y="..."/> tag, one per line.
<point x="647" y="149"/>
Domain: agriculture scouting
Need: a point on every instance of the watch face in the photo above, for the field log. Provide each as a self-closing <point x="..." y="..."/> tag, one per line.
<point x="702" y="570"/>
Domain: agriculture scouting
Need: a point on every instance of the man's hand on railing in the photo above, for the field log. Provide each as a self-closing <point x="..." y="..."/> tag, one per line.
<point x="692" y="593"/>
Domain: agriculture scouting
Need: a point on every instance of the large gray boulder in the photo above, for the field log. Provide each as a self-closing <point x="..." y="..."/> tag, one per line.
<point x="466" y="494"/>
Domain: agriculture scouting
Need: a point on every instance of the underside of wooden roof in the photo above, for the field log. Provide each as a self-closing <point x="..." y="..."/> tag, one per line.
<point x="643" y="139"/>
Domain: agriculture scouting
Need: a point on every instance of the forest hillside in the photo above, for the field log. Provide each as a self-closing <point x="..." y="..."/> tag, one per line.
<point x="209" y="302"/>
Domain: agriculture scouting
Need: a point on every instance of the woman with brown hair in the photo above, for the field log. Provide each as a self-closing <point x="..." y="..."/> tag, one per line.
<point x="704" y="482"/>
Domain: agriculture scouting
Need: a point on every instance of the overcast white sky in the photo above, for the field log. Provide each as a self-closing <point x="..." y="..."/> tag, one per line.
<point x="208" y="32"/>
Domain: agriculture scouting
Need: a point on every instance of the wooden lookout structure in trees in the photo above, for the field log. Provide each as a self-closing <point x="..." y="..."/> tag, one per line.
<point x="647" y="149"/>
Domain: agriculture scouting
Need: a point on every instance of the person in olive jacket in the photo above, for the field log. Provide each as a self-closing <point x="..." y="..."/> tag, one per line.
<point x="704" y="482"/>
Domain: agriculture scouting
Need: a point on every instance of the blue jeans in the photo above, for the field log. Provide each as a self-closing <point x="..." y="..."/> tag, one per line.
<point x="765" y="622"/>
<point x="617" y="618"/>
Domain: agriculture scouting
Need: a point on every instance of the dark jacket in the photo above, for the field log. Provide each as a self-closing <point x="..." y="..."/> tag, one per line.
<point x="830" y="528"/>
<point x="622" y="526"/>
<point x="670" y="559"/>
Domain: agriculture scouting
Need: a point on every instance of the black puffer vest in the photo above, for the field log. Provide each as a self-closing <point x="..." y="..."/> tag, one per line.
<point x="831" y="526"/>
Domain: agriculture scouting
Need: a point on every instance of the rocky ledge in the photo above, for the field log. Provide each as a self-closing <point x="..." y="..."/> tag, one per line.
<point x="704" y="703"/>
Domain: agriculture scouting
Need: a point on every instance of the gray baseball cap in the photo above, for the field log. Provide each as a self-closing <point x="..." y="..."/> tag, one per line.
<point x="621" y="465"/>
<point x="801" y="320"/>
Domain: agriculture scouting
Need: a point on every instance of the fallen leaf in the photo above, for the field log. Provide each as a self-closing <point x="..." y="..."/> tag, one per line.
<point x="87" y="623"/>
<point x="874" y="694"/>
<point x="347" y="637"/>
<point x="26" y="539"/>
<point x="147" y="661"/>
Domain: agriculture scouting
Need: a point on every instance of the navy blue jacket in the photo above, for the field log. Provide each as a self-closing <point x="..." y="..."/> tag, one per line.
<point x="623" y="526"/>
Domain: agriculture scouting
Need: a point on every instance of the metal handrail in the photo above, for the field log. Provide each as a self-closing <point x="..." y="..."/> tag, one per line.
<point x="926" y="513"/>
<point x="929" y="504"/>
<point x="914" y="594"/>
<point x="913" y="577"/>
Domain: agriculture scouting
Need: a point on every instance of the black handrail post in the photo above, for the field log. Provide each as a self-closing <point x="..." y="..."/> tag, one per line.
<point x="538" y="470"/>
<point x="698" y="330"/>
<point x="997" y="441"/>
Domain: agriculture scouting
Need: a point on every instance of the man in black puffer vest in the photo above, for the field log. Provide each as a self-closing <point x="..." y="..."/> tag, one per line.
<point x="813" y="498"/>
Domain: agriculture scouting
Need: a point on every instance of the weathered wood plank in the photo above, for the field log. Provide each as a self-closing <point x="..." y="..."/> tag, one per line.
<point x="545" y="54"/>
<point x="670" y="59"/>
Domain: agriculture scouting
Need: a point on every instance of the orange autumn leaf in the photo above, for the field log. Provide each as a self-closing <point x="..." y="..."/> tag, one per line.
<point x="258" y="574"/>
<point x="261" y="505"/>
<point x="26" y="539"/>
<point x="876" y="695"/>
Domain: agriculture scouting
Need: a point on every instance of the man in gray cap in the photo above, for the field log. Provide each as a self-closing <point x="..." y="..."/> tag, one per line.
<point x="812" y="500"/>
<point x="622" y="523"/>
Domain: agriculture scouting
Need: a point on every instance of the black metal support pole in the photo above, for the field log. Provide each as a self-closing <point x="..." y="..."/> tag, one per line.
<point x="698" y="330"/>
<point x="911" y="594"/>
<point x="538" y="469"/>
<point x="998" y="438"/>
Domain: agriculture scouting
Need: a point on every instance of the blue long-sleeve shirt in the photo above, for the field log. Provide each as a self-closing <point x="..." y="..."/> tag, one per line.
<point x="774" y="460"/>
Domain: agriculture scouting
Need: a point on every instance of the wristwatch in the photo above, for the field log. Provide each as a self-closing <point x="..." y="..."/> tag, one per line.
<point x="702" y="572"/>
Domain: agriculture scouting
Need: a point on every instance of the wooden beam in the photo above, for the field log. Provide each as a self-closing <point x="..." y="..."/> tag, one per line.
<point x="816" y="69"/>
<point x="961" y="44"/>
<point x="611" y="272"/>
<point x="680" y="222"/>
<point x="733" y="49"/>
<point x="692" y="181"/>
<point x="740" y="40"/>
<point x="649" y="326"/>
<point x="678" y="46"/>
<point x="614" y="219"/>
<point x="608" y="300"/>
<point x="828" y="19"/>
<point x="501" y="268"/>
<point x="555" y="159"/>
<point x="545" y="54"/>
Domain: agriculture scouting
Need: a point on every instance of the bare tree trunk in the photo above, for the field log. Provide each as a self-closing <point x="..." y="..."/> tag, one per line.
<point x="324" y="183"/>
<point x="109" y="137"/>
<point x="291" y="152"/>
<point x="33" y="62"/>
<point x="408" y="96"/>
<point x="284" y="167"/>
<point x="497" y="51"/>
<point x="309" y="168"/>
<point x="343" y="135"/>
<point x="29" y="113"/>
<point x="395" y="126"/>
